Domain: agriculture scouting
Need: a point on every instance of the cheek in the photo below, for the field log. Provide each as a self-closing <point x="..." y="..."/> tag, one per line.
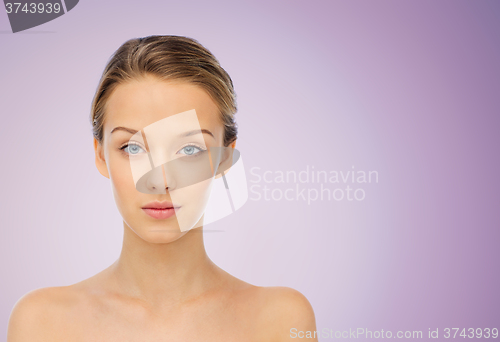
<point x="193" y="200"/>
<point x="121" y="179"/>
<point x="193" y="194"/>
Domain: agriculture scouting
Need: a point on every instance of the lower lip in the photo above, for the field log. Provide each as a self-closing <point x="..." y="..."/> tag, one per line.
<point x="160" y="213"/>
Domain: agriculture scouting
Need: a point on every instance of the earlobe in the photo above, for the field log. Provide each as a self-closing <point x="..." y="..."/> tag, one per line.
<point x="100" y="162"/>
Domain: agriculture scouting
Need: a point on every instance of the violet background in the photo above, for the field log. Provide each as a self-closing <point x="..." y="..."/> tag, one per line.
<point x="407" y="88"/>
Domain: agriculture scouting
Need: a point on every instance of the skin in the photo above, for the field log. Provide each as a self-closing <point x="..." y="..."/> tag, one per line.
<point x="163" y="287"/>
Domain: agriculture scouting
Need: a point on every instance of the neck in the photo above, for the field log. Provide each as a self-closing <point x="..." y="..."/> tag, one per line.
<point x="166" y="273"/>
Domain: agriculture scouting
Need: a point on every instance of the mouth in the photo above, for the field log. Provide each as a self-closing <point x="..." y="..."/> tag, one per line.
<point x="160" y="210"/>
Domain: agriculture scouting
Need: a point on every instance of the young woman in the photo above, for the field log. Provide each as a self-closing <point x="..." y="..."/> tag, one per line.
<point x="163" y="287"/>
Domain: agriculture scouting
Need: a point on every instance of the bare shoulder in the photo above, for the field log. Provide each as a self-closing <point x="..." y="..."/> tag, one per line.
<point x="37" y="313"/>
<point x="290" y="305"/>
<point x="277" y="311"/>
<point x="286" y="299"/>
<point x="283" y="312"/>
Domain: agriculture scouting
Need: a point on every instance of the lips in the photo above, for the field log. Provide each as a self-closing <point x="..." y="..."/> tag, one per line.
<point x="160" y="210"/>
<point x="158" y="205"/>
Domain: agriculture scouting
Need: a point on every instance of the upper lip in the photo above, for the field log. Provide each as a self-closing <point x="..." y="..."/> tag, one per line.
<point x="159" y="205"/>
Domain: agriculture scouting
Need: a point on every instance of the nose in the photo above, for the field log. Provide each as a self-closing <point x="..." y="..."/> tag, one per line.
<point x="159" y="180"/>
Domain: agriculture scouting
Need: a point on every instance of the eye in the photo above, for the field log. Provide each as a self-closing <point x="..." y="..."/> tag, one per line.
<point x="132" y="149"/>
<point x="190" y="150"/>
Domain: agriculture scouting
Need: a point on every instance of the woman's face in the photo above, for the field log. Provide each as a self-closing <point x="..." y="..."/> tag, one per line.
<point x="162" y="113"/>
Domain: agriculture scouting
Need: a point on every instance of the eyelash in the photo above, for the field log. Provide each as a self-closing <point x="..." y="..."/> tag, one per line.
<point x="122" y="148"/>
<point x="127" y="145"/>
<point x="202" y="149"/>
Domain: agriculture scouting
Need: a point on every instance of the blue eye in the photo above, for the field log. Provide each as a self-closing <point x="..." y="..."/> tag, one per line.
<point x="190" y="150"/>
<point x="132" y="149"/>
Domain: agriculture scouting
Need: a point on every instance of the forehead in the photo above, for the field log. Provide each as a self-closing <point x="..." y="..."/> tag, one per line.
<point x="141" y="102"/>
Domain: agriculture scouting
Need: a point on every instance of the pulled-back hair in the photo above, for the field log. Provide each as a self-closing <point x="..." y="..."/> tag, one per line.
<point x="168" y="58"/>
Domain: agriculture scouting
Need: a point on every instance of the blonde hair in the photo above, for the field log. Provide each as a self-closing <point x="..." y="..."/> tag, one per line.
<point x="168" y="58"/>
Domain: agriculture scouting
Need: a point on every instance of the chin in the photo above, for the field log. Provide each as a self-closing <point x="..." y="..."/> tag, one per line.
<point x="165" y="236"/>
<point x="160" y="232"/>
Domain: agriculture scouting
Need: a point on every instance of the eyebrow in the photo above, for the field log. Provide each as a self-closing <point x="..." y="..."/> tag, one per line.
<point x="119" y="128"/>
<point x="197" y="131"/>
<point x="186" y="134"/>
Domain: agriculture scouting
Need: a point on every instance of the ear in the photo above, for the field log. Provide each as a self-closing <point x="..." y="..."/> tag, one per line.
<point x="226" y="160"/>
<point x="100" y="162"/>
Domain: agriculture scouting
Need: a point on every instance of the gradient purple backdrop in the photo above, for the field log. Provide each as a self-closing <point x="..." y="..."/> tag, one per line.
<point x="407" y="88"/>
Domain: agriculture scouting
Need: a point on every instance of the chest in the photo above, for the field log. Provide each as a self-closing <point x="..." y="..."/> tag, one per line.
<point x="206" y="322"/>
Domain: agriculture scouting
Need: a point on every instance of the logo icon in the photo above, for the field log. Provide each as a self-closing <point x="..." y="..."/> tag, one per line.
<point x="24" y="15"/>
